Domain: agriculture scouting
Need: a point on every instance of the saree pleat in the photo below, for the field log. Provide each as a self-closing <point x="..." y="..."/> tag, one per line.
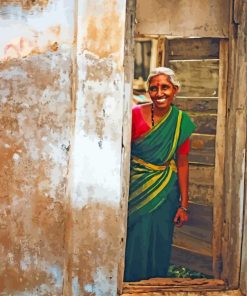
<point x="154" y="196"/>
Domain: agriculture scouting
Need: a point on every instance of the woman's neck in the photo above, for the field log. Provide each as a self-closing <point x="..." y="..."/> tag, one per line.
<point x="160" y="112"/>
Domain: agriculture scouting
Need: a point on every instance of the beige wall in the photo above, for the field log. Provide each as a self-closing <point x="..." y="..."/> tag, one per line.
<point x="63" y="98"/>
<point x="96" y="215"/>
<point x="65" y="119"/>
<point x="35" y="87"/>
<point x="187" y="18"/>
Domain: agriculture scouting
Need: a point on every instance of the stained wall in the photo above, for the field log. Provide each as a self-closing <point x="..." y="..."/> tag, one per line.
<point x="186" y="18"/>
<point x="97" y="217"/>
<point x="62" y="101"/>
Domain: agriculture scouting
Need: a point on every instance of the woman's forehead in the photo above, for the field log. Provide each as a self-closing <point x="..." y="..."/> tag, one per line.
<point x="160" y="78"/>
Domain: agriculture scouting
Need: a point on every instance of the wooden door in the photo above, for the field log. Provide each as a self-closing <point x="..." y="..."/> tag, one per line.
<point x="196" y="63"/>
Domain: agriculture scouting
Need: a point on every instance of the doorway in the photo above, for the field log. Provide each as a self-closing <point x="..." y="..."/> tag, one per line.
<point x="201" y="67"/>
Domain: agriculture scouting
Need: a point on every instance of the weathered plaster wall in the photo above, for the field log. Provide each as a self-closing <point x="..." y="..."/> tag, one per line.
<point x="96" y="223"/>
<point x="35" y="121"/>
<point x="64" y="98"/>
<point x="187" y="18"/>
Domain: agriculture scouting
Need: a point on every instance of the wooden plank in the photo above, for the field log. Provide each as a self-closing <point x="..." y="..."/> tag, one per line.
<point x="163" y="285"/>
<point x="206" y="123"/>
<point x="176" y="292"/>
<point x="200" y="223"/>
<point x="243" y="271"/>
<point x="191" y="260"/>
<point x="142" y="59"/>
<point x="203" y="142"/>
<point x="201" y="157"/>
<point x="182" y="282"/>
<point x="197" y="104"/>
<point x="201" y="194"/>
<point x="201" y="175"/>
<point x="235" y="153"/>
<point x="201" y="184"/>
<point x="195" y="239"/>
<point x="181" y="239"/>
<point x="201" y="48"/>
<point x="172" y="284"/>
<point x="220" y="161"/>
<point x="160" y="52"/>
<point x="198" y="78"/>
<point x="202" y="149"/>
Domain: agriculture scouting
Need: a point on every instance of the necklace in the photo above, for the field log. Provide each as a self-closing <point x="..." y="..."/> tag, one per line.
<point x="152" y="114"/>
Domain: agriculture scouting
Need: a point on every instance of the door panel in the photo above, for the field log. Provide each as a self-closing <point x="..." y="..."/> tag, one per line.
<point x="196" y="64"/>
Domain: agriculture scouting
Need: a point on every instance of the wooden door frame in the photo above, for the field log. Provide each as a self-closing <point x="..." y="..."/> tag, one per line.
<point x="225" y="224"/>
<point x="218" y="203"/>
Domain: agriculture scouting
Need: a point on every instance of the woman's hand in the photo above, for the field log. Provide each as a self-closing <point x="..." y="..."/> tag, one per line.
<point x="181" y="217"/>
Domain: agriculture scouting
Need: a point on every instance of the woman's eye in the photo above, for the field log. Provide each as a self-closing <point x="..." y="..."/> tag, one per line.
<point x="164" y="87"/>
<point x="153" y="88"/>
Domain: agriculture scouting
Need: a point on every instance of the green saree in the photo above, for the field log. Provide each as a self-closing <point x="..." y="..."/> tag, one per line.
<point x="154" y="196"/>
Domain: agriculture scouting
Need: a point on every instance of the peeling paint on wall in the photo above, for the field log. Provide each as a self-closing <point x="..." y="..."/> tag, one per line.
<point x="102" y="21"/>
<point x="51" y="245"/>
<point x="25" y="4"/>
<point x="28" y="33"/>
<point x="207" y="18"/>
<point x="35" y="121"/>
<point x="97" y="150"/>
<point x="35" y="133"/>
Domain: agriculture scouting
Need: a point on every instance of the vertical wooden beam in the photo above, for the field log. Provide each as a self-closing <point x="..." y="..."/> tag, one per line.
<point x="220" y="160"/>
<point x="126" y="130"/>
<point x="166" y="53"/>
<point x="235" y="148"/>
<point x="243" y="58"/>
<point x="243" y="272"/>
<point x="160" y="52"/>
<point x="153" y="60"/>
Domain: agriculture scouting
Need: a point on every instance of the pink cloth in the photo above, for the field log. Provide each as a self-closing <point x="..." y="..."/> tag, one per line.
<point x="140" y="127"/>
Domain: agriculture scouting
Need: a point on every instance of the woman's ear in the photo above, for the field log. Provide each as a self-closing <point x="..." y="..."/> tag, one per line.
<point x="176" y="88"/>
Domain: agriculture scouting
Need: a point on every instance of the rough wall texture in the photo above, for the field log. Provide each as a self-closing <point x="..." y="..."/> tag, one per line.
<point x="187" y="18"/>
<point x="34" y="139"/>
<point x="35" y="125"/>
<point x="97" y="149"/>
<point x="61" y="224"/>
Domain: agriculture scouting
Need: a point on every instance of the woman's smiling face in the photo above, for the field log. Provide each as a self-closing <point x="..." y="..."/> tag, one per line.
<point x="161" y="91"/>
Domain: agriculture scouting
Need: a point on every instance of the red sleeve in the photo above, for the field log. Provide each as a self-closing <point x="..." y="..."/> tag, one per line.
<point x="185" y="147"/>
<point x="139" y="125"/>
<point x="134" y="111"/>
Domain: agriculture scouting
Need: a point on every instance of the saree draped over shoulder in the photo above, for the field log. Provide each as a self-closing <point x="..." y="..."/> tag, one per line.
<point x="154" y="196"/>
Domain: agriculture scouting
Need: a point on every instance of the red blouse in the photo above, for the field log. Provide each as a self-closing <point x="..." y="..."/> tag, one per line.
<point x="140" y="127"/>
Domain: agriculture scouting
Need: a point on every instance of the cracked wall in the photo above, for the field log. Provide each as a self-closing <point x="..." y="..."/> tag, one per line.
<point x="35" y="87"/>
<point x="96" y="188"/>
<point x="185" y="18"/>
<point x="62" y="105"/>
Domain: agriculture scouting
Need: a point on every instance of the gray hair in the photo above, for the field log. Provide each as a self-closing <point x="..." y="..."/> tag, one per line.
<point x="166" y="71"/>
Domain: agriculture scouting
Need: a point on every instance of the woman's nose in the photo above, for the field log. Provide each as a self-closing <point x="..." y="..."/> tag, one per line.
<point x="160" y="92"/>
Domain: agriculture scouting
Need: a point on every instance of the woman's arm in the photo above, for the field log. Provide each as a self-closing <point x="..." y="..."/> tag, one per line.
<point x="183" y="181"/>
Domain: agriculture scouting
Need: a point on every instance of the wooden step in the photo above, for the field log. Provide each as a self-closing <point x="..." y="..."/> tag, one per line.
<point x="173" y="284"/>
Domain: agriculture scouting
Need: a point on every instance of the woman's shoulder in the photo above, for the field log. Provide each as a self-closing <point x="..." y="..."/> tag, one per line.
<point x="140" y="108"/>
<point x="184" y="113"/>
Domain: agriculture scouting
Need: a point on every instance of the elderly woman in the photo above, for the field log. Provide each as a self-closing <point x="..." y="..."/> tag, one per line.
<point x="158" y="196"/>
